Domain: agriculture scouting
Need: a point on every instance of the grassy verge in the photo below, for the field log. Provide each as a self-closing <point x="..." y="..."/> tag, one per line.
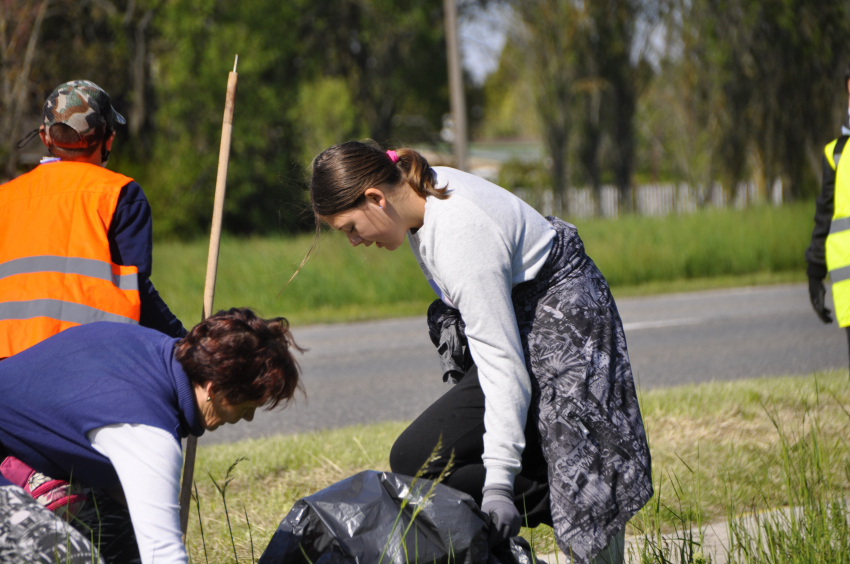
<point x="715" y="283"/>
<point x="638" y="256"/>
<point x="714" y="447"/>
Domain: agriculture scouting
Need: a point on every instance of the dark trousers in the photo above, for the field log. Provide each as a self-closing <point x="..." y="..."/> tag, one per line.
<point x="458" y="417"/>
<point x="106" y="523"/>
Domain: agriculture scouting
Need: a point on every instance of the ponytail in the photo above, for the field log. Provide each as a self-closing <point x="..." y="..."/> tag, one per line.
<point x="419" y="175"/>
<point x="343" y="173"/>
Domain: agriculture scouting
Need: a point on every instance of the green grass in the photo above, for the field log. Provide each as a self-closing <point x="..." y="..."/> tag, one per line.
<point x="714" y="447"/>
<point x="638" y="256"/>
<point x="636" y="250"/>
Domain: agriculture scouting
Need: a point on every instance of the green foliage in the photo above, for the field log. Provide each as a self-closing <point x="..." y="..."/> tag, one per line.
<point x="199" y="39"/>
<point x="550" y="40"/>
<point x="637" y="250"/>
<point x="392" y="55"/>
<point x="338" y="282"/>
<point x="509" y="108"/>
<point x="519" y="174"/>
<point x="676" y="128"/>
<point x="698" y="91"/>
<point x="324" y="115"/>
<point x="766" y="79"/>
<point x="311" y="74"/>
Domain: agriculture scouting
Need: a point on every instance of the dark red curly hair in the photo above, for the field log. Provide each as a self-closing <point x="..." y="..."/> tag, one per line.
<point x="246" y="358"/>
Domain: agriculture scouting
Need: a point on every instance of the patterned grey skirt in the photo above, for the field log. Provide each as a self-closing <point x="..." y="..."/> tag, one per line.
<point x="584" y="405"/>
<point x="584" y="401"/>
<point x="29" y="532"/>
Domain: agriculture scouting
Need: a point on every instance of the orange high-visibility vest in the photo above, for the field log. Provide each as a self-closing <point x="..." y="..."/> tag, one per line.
<point x="56" y="270"/>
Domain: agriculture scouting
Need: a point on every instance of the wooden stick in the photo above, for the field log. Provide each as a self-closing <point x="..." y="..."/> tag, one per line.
<point x="212" y="268"/>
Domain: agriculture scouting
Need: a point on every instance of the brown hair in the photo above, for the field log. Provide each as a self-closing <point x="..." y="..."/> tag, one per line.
<point x="342" y="174"/>
<point x="245" y="357"/>
<point x="67" y="142"/>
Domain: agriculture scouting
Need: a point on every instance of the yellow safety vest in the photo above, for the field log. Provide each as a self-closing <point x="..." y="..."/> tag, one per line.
<point x="838" y="240"/>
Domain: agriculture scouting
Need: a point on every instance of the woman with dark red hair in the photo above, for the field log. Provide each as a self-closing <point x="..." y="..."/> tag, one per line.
<point x="106" y="405"/>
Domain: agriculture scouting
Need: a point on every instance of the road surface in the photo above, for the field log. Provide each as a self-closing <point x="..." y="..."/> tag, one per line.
<point x="389" y="370"/>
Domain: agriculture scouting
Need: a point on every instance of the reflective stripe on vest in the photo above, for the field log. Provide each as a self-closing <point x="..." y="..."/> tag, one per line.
<point x="70" y="265"/>
<point x="59" y="310"/>
<point x="56" y="269"/>
<point x="838" y="240"/>
<point x="839" y="225"/>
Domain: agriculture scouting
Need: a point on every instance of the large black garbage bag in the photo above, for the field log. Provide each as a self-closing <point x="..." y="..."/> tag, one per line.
<point x="360" y="518"/>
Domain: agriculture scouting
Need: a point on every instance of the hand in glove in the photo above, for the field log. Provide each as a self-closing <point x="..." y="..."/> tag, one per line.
<point x="505" y="520"/>
<point x="817" y="292"/>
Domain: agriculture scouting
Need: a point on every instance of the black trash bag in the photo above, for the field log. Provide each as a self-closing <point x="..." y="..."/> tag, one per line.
<point x="357" y="520"/>
<point x="515" y="551"/>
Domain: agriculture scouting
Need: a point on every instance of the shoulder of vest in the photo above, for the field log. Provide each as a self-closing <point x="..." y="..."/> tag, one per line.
<point x="840" y="143"/>
<point x="61" y="177"/>
<point x="79" y="172"/>
<point x="835" y="148"/>
<point x="101" y="173"/>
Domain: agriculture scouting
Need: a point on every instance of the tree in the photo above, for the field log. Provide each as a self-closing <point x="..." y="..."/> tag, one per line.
<point x="587" y="74"/>
<point x="775" y="69"/>
<point x="392" y="53"/>
<point x="20" y="30"/>
<point x="312" y="73"/>
<point x="548" y="38"/>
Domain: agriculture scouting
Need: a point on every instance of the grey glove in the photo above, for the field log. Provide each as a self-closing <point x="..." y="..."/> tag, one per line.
<point x="505" y="520"/>
<point x="817" y="292"/>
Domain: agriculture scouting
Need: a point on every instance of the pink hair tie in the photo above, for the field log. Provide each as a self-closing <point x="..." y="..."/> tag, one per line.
<point x="393" y="156"/>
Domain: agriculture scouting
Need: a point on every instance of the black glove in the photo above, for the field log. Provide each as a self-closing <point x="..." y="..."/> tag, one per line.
<point x="447" y="331"/>
<point x="817" y="292"/>
<point x="505" y="520"/>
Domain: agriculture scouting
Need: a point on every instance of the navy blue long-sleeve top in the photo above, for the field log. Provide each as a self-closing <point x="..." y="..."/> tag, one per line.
<point x="86" y="377"/>
<point x="131" y="244"/>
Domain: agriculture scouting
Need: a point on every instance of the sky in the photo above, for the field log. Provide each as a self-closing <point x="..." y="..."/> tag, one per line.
<point x="483" y="33"/>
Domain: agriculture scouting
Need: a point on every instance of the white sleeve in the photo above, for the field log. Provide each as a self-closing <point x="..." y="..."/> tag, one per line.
<point x="474" y="262"/>
<point x="148" y="462"/>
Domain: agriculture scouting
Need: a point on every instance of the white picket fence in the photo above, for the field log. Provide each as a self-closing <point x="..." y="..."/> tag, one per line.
<point x="650" y="199"/>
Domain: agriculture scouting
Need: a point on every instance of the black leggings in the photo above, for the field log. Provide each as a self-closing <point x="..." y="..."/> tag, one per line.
<point x="458" y="416"/>
<point x="106" y="523"/>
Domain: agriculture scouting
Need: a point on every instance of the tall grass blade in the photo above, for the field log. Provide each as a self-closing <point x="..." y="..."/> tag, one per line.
<point x="250" y="533"/>
<point x="222" y="490"/>
<point x="366" y="454"/>
<point x="200" y="521"/>
<point x="435" y="454"/>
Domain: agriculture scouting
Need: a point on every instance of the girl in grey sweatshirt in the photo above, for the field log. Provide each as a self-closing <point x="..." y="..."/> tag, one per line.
<point x="551" y="375"/>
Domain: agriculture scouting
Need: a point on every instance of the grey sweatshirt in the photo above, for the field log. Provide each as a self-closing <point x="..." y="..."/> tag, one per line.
<point x="473" y="248"/>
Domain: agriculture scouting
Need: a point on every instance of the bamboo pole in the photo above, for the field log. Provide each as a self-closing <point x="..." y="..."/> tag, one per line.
<point x="212" y="268"/>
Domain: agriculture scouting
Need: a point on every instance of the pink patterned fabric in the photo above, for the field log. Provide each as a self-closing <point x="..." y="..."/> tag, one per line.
<point x="59" y="496"/>
<point x="15" y="471"/>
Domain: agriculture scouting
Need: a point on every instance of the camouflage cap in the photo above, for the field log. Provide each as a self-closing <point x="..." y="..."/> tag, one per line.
<point x="83" y="106"/>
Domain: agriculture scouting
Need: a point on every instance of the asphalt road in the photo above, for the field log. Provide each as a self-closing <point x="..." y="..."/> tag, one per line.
<point x="389" y="370"/>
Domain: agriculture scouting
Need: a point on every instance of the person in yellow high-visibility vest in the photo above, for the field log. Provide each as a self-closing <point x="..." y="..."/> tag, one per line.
<point x="829" y="252"/>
